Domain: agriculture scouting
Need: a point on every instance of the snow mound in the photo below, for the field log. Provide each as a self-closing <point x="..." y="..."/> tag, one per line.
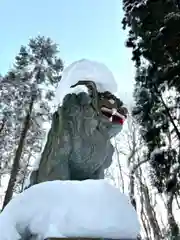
<point x="90" y="208"/>
<point x="85" y="70"/>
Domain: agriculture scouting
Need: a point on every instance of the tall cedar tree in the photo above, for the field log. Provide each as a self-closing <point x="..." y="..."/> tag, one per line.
<point x="36" y="71"/>
<point x="154" y="37"/>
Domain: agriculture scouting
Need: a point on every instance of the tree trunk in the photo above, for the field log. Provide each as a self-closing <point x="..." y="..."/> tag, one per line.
<point x="150" y="213"/>
<point x="168" y="112"/>
<point x="16" y="161"/>
<point x="2" y="124"/>
<point x="171" y="220"/>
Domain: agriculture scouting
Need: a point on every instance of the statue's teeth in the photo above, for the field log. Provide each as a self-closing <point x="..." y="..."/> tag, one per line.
<point x="114" y="111"/>
<point x="112" y="101"/>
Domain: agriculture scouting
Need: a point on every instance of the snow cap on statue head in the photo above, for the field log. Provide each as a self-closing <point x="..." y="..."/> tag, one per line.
<point x="85" y="70"/>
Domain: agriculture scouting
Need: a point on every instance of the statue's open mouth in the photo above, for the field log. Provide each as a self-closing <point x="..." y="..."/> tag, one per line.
<point x="113" y="115"/>
<point x="106" y="102"/>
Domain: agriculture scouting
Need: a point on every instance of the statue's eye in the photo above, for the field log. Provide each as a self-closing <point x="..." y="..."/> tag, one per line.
<point x="112" y="101"/>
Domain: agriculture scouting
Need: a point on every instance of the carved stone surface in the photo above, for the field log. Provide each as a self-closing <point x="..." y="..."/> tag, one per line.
<point x="78" y="146"/>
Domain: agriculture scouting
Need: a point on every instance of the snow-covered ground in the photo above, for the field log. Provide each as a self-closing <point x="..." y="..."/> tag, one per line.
<point x="90" y="208"/>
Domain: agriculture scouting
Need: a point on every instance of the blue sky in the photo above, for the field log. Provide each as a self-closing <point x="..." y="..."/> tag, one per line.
<point x="83" y="29"/>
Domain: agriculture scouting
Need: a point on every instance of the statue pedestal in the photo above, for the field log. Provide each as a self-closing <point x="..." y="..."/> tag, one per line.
<point x="70" y="210"/>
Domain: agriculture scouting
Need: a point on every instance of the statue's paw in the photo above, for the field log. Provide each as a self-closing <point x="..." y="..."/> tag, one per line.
<point x="71" y="106"/>
<point x="70" y="99"/>
<point x="78" y="105"/>
<point x="84" y="98"/>
<point x="79" y="99"/>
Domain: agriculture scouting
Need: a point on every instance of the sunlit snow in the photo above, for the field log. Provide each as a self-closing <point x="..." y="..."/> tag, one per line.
<point x="91" y="208"/>
<point x="86" y="70"/>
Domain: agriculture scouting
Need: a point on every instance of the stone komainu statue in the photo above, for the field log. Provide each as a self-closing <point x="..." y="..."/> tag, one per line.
<point x="78" y="146"/>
